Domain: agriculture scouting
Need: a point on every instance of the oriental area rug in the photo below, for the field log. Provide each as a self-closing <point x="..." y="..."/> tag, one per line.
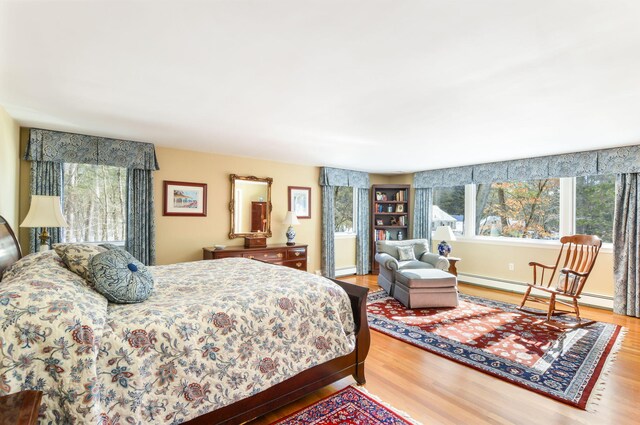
<point x="496" y="338"/>
<point x="349" y="406"/>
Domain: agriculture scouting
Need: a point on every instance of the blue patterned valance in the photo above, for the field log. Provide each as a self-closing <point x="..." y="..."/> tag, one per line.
<point x="56" y="146"/>
<point x="491" y="172"/>
<point x="606" y="161"/>
<point x="619" y="160"/>
<point x="528" y="169"/>
<point x="339" y="177"/>
<point x="444" y="177"/>
<point x="573" y="164"/>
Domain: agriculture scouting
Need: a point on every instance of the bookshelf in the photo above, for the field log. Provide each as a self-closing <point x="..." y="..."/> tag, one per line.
<point x="389" y="215"/>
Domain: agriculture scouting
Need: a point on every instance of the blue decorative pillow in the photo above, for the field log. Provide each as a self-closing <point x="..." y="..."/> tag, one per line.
<point x="120" y="277"/>
<point x="110" y="246"/>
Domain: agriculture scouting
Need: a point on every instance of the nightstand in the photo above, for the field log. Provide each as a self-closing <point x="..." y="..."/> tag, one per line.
<point x="20" y="408"/>
<point x="452" y="265"/>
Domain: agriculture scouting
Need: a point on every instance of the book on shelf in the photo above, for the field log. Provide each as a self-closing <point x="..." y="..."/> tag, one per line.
<point x="399" y="196"/>
<point x="383" y="235"/>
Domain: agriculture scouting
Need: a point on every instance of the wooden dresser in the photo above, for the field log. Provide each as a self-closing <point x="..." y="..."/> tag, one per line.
<point x="294" y="256"/>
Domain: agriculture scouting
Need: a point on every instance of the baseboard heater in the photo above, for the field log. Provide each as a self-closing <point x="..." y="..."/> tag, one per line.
<point x="587" y="299"/>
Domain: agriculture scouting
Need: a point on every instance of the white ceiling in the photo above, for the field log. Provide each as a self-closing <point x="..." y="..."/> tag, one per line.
<point x="375" y="85"/>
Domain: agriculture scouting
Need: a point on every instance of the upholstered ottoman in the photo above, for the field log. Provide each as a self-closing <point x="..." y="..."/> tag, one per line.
<point x="420" y="288"/>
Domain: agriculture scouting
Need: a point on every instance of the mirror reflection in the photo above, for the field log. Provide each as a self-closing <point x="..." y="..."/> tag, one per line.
<point x="250" y="206"/>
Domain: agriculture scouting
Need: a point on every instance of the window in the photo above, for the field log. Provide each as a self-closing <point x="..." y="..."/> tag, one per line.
<point x="519" y="209"/>
<point x="448" y="208"/>
<point x="95" y="199"/>
<point x="595" y="200"/>
<point x="344" y="208"/>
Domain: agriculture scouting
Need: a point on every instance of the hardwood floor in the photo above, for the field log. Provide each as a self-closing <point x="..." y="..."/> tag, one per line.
<point x="434" y="390"/>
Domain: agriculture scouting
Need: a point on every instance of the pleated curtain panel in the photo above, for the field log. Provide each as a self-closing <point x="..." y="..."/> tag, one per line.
<point x="49" y="150"/>
<point x="624" y="162"/>
<point x="330" y="178"/>
<point x="626" y="266"/>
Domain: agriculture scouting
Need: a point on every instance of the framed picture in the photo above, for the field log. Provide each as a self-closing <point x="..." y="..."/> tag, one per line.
<point x="400" y="208"/>
<point x="379" y="222"/>
<point x="185" y="199"/>
<point x="300" y="201"/>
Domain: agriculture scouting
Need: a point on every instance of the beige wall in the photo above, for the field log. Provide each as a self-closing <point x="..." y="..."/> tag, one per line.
<point x="182" y="238"/>
<point x="489" y="260"/>
<point x="345" y="250"/>
<point x="9" y="168"/>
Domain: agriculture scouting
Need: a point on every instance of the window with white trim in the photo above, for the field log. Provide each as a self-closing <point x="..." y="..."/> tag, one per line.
<point x="448" y="208"/>
<point x="94" y="203"/>
<point x="529" y="209"/>
<point x="345" y="210"/>
<point x="595" y="202"/>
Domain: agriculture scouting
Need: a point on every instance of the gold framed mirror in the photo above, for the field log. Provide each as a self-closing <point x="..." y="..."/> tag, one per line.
<point x="250" y="206"/>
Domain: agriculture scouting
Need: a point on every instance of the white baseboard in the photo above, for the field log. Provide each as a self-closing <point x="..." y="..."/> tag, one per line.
<point x="346" y="271"/>
<point x="592" y="300"/>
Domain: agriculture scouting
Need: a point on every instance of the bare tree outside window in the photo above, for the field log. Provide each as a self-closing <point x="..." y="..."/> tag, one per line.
<point x="343" y="202"/>
<point x="519" y="209"/>
<point x="94" y="204"/>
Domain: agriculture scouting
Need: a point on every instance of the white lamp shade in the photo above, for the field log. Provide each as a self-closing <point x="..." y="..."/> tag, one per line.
<point x="45" y="211"/>
<point x="444" y="233"/>
<point x="291" y="219"/>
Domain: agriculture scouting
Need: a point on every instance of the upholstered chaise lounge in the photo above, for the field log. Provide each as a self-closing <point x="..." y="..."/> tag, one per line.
<point x="395" y="255"/>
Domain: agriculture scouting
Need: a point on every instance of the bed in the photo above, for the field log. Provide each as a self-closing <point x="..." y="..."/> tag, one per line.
<point x="218" y="342"/>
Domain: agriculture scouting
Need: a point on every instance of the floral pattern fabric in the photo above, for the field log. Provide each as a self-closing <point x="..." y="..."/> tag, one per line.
<point x="77" y="256"/>
<point x="213" y="332"/>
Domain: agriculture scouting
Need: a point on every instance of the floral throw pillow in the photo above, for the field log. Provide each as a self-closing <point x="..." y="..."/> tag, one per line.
<point x="405" y="253"/>
<point x="120" y="277"/>
<point x="76" y="257"/>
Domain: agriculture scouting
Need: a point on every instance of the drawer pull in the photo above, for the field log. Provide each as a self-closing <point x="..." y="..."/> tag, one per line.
<point x="297" y="254"/>
<point x="266" y="255"/>
<point x="251" y="257"/>
<point x="279" y="255"/>
<point x="298" y="264"/>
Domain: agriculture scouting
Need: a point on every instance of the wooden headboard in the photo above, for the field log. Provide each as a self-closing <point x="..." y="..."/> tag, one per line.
<point x="9" y="247"/>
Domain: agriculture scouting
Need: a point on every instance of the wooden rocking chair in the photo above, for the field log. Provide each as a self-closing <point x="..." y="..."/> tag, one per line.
<point x="580" y="252"/>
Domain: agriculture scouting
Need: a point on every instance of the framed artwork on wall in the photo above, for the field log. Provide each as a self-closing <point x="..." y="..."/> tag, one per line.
<point x="184" y="199"/>
<point x="300" y="201"/>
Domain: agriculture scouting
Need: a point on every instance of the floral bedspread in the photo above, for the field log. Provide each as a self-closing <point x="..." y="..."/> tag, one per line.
<point x="213" y="332"/>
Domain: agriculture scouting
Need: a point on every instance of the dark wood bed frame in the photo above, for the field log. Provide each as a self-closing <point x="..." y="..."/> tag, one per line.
<point x="281" y="394"/>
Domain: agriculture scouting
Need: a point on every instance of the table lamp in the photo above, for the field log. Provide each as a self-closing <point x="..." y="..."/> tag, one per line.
<point x="45" y="211"/>
<point x="291" y="219"/>
<point x="444" y="233"/>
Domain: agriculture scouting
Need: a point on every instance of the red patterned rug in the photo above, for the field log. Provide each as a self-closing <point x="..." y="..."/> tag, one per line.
<point x="498" y="339"/>
<point x="349" y="406"/>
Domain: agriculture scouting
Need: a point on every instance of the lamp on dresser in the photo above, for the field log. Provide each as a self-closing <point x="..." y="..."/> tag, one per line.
<point x="291" y="219"/>
<point x="45" y="211"/>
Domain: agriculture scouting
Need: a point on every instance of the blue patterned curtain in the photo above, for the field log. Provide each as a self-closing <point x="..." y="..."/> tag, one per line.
<point x="141" y="226"/>
<point x="423" y="203"/>
<point x="46" y="179"/>
<point x="626" y="230"/>
<point x="328" y="262"/>
<point x="363" y="257"/>
<point x="330" y="178"/>
<point x="49" y="150"/>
